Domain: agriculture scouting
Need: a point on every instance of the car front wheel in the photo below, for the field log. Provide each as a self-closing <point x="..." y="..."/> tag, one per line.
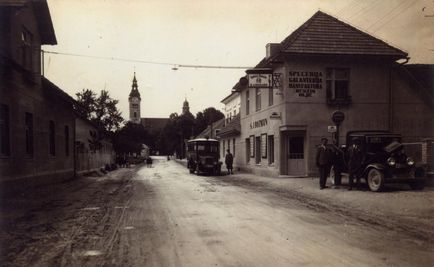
<point x="375" y="180"/>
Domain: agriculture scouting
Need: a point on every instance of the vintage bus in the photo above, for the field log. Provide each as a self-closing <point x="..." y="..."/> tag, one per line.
<point x="203" y="156"/>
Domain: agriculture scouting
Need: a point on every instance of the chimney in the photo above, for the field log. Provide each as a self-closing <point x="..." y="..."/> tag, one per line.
<point x="272" y="49"/>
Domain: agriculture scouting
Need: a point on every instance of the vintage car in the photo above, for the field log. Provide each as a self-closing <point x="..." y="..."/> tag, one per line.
<point x="384" y="161"/>
<point x="203" y="156"/>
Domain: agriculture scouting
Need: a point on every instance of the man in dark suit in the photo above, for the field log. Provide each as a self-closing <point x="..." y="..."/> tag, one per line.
<point x="355" y="155"/>
<point x="323" y="160"/>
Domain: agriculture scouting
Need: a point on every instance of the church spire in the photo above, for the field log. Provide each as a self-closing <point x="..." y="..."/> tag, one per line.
<point x="185" y="107"/>
<point x="134" y="101"/>
<point x="134" y="88"/>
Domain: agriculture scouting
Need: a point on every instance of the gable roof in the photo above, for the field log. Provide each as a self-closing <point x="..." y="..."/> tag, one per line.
<point x="324" y="34"/>
<point x="233" y="128"/>
<point x="217" y="125"/>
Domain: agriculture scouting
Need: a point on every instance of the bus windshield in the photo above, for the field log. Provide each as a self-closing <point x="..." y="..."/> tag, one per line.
<point x="207" y="146"/>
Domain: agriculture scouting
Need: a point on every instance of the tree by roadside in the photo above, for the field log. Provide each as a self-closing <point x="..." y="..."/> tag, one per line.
<point x="129" y="139"/>
<point x="99" y="109"/>
<point x="205" y="118"/>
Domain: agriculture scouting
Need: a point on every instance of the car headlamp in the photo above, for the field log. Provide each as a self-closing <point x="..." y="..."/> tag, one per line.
<point x="391" y="161"/>
<point x="410" y="161"/>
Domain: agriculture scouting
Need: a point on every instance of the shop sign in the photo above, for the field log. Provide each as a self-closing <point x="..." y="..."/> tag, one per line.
<point x="305" y="83"/>
<point x="259" y="123"/>
<point x="331" y="129"/>
<point x="260" y="80"/>
<point x="338" y="117"/>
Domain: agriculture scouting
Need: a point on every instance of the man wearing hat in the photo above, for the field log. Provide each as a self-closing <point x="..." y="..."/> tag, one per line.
<point x="323" y="160"/>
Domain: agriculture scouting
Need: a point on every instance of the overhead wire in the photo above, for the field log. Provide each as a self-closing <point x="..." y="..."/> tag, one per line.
<point x="391" y="18"/>
<point x="175" y="65"/>
<point x="386" y="16"/>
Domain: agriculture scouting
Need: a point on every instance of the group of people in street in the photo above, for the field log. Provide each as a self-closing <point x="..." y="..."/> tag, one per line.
<point x="325" y="157"/>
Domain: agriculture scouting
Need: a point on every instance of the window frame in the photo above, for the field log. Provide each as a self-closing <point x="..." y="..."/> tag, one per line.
<point x="66" y="132"/>
<point x="258" y="96"/>
<point x="52" y="138"/>
<point x="247" y="102"/>
<point x="331" y="86"/>
<point x="5" y="137"/>
<point x="29" y="134"/>
<point x="270" y="141"/>
<point x="26" y="49"/>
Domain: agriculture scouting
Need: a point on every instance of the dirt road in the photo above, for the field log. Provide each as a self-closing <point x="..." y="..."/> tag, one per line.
<point x="164" y="216"/>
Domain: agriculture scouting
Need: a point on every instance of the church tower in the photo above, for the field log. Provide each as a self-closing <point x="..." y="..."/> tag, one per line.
<point x="134" y="100"/>
<point x="185" y="107"/>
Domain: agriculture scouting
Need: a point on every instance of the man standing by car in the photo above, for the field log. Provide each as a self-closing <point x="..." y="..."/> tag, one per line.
<point x="354" y="163"/>
<point x="229" y="160"/>
<point x="323" y="158"/>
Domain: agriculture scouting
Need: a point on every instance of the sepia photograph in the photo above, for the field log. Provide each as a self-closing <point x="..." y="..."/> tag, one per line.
<point x="201" y="133"/>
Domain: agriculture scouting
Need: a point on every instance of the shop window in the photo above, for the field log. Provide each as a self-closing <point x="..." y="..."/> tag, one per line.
<point x="296" y="148"/>
<point x="264" y="146"/>
<point x="337" y="85"/>
<point x="26" y="49"/>
<point x="247" y="102"/>
<point x="258" y="98"/>
<point x="252" y="146"/>
<point x="52" y="138"/>
<point x="29" y="133"/>
<point x="270" y="97"/>
<point x="258" y="149"/>
<point x="4" y="130"/>
<point x="270" y="149"/>
<point x="66" y="140"/>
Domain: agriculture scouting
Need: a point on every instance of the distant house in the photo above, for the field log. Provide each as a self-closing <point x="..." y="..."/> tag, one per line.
<point x="94" y="148"/>
<point x="230" y="132"/>
<point x="212" y="130"/>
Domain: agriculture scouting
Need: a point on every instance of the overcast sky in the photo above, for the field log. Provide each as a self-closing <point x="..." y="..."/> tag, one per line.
<point x="229" y="33"/>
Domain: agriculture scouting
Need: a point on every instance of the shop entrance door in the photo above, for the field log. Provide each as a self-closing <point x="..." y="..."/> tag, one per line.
<point x="295" y="155"/>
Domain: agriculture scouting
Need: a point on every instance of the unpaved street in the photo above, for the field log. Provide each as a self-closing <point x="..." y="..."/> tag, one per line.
<point x="164" y="216"/>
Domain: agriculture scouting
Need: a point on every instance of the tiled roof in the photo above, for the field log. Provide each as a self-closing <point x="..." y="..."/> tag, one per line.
<point x="215" y="126"/>
<point x="233" y="128"/>
<point x="324" y="34"/>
